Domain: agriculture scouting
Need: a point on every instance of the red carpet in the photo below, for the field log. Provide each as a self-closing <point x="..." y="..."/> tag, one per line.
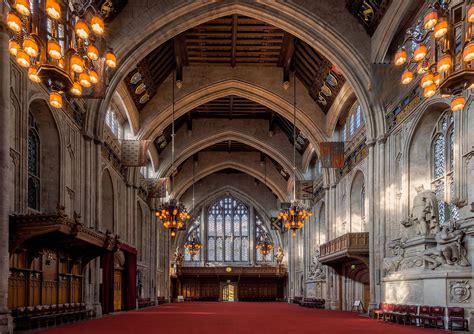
<point x="229" y="318"/>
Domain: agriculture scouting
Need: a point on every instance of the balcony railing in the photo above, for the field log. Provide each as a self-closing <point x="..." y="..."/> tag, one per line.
<point x="350" y="245"/>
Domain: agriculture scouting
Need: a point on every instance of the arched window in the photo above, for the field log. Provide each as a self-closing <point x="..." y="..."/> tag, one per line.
<point x="228" y="231"/>
<point x="442" y="171"/>
<point x="260" y="232"/>
<point x="33" y="165"/>
<point x="195" y="229"/>
<point x="353" y="122"/>
<point x="113" y="123"/>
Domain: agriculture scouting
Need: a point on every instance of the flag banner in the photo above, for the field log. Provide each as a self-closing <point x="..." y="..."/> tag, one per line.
<point x="331" y="154"/>
<point x="134" y="153"/>
<point x="157" y="187"/>
<point x="304" y="190"/>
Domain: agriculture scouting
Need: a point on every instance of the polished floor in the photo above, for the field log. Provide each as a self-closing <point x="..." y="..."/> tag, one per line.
<point x="230" y="318"/>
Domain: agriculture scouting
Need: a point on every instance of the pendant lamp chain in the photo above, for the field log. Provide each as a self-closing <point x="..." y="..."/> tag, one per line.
<point x="172" y="134"/>
<point x="294" y="135"/>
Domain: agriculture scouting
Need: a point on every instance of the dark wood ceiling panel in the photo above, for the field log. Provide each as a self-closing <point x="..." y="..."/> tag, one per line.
<point x="233" y="41"/>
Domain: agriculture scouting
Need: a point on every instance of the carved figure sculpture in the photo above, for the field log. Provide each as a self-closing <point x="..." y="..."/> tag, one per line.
<point x="392" y="264"/>
<point x="279" y="255"/>
<point x="316" y="269"/>
<point x="449" y="248"/>
<point x="178" y="257"/>
<point x="424" y="216"/>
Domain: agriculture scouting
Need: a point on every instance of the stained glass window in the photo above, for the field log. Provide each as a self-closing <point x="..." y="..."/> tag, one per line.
<point x="228" y="220"/>
<point x="443" y="168"/>
<point x="33" y="165"/>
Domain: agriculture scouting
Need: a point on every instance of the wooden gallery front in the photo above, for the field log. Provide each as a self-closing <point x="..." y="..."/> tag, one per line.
<point x="48" y="265"/>
<point x="266" y="283"/>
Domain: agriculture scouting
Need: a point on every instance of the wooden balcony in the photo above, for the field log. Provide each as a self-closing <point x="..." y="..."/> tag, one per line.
<point x="345" y="248"/>
<point x="264" y="271"/>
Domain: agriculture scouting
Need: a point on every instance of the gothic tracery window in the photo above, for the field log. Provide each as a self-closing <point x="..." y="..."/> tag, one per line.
<point x="113" y="123"/>
<point x="33" y="165"/>
<point x="228" y="231"/>
<point x="442" y="175"/>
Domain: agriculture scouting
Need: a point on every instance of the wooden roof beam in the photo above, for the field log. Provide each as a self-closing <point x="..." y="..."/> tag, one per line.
<point x="180" y="56"/>
<point x="234" y="39"/>
<point x="286" y="56"/>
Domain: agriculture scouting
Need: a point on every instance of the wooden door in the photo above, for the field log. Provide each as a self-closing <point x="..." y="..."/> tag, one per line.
<point x="228" y="293"/>
<point x="118" y="288"/>
<point x="366" y="300"/>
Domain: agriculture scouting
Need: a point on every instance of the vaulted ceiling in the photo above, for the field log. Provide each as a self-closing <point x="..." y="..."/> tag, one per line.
<point x="236" y="41"/>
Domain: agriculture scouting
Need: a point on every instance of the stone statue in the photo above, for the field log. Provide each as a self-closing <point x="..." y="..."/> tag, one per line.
<point x="178" y="257"/>
<point x="392" y="264"/>
<point x="316" y="269"/>
<point x="424" y="216"/>
<point x="449" y="248"/>
<point x="279" y="255"/>
<point x="460" y="291"/>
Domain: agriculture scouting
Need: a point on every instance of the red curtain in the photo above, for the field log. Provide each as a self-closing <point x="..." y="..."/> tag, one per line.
<point x="130" y="302"/>
<point x="107" y="287"/>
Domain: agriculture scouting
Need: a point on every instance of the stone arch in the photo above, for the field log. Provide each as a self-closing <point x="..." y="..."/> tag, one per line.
<point x="243" y="197"/>
<point x="304" y="24"/>
<point x="156" y="123"/>
<point x="197" y="144"/>
<point x="357" y="203"/>
<point x="50" y="155"/>
<point x="107" y="217"/>
<point x="278" y="188"/>
<point x="417" y="149"/>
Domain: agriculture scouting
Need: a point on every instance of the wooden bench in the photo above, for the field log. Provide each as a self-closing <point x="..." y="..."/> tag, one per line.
<point x="45" y="315"/>
<point x="145" y="302"/>
<point x="296" y="300"/>
<point x="160" y="300"/>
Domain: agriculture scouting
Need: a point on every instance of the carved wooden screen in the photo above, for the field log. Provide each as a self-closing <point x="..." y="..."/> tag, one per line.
<point x="50" y="277"/>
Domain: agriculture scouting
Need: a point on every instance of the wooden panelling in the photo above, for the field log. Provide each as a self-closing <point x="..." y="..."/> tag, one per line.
<point x="47" y="277"/>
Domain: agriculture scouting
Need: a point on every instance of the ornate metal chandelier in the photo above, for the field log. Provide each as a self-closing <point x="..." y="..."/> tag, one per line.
<point x="264" y="244"/>
<point x="193" y="245"/>
<point x="294" y="217"/>
<point x="61" y="47"/>
<point x="173" y="214"/>
<point x="440" y="49"/>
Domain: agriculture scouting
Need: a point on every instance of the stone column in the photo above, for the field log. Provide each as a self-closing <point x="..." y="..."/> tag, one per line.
<point x="252" y="242"/>
<point x="6" y="324"/>
<point x="371" y="219"/>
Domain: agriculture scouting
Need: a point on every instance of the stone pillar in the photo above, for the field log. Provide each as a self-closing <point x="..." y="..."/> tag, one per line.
<point x="6" y="324"/>
<point x="370" y="191"/>
<point x="252" y="242"/>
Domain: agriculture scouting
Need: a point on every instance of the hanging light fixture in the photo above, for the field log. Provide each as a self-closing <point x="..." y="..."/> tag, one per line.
<point x="264" y="244"/>
<point x="193" y="245"/>
<point x="173" y="214"/>
<point x="296" y="215"/>
<point x="444" y="50"/>
<point x="59" y="60"/>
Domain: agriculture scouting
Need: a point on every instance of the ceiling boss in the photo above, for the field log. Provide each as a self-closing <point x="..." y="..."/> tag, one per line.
<point x="64" y="49"/>
<point x="440" y="49"/>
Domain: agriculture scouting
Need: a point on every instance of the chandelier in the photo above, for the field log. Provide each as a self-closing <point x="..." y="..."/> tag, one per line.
<point x="440" y="49"/>
<point x="264" y="244"/>
<point x="173" y="214"/>
<point x="294" y="217"/>
<point x="62" y="50"/>
<point x="193" y="245"/>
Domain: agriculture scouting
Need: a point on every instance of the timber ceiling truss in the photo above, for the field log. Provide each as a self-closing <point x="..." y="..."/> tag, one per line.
<point x="235" y="107"/>
<point x="230" y="41"/>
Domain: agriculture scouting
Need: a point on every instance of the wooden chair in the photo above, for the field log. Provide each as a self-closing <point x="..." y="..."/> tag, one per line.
<point x="456" y="316"/>
<point x="412" y="314"/>
<point x="388" y="311"/>
<point x="436" y="317"/>
<point x="378" y="313"/>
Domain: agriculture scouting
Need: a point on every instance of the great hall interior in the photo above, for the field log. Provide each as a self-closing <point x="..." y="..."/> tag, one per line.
<point x="227" y="166"/>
